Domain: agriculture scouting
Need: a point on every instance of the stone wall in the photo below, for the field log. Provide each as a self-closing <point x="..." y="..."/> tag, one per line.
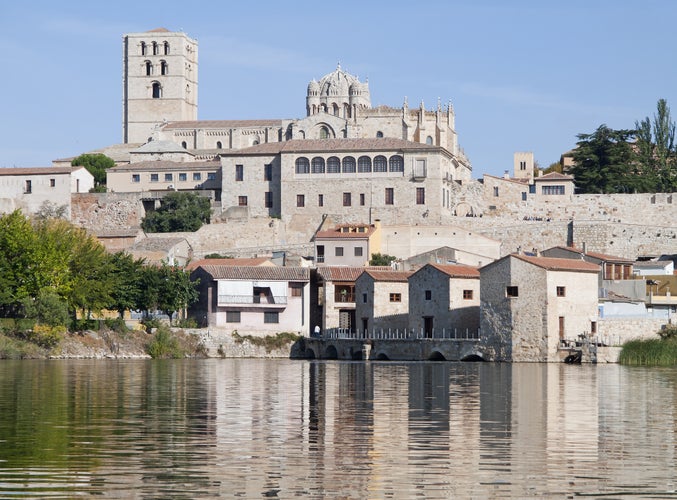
<point x="107" y="212"/>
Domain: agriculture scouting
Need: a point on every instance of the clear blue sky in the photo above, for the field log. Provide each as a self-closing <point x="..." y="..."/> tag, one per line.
<point x="522" y="75"/>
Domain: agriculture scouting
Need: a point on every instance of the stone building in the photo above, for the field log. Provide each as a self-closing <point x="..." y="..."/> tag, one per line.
<point x="444" y="301"/>
<point x="347" y="244"/>
<point x="382" y="301"/>
<point x="529" y="305"/>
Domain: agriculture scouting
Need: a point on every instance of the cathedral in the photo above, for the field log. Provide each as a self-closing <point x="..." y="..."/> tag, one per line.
<point x="344" y="158"/>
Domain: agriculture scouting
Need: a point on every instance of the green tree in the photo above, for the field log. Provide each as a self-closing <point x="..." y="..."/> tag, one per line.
<point x="167" y="288"/>
<point x="656" y="150"/>
<point x="178" y="212"/>
<point x="604" y="162"/>
<point x="381" y="259"/>
<point x="96" y="164"/>
<point x="48" y="308"/>
<point x="126" y="277"/>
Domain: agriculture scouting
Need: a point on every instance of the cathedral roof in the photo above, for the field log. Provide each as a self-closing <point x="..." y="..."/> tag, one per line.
<point x="197" y="124"/>
<point x="337" y="83"/>
<point x="327" y="145"/>
<point x="160" y="147"/>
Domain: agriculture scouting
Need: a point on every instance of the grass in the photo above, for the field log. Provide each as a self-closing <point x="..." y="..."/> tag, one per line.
<point x="650" y="352"/>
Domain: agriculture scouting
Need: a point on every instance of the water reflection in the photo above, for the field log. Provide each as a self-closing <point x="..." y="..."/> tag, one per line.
<point x="267" y="428"/>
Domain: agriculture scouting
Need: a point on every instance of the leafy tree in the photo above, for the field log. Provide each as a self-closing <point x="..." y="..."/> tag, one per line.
<point x="179" y="211"/>
<point x="48" y="308"/>
<point x="656" y="149"/>
<point x="553" y="167"/>
<point x="604" y="162"/>
<point x="96" y="164"/>
<point x="125" y="275"/>
<point x="381" y="259"/>
<point x="168" y="289"/>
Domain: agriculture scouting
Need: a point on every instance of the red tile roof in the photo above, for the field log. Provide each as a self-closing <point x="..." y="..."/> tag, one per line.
<point x="222" y="124"/>
<point x="338" y="233"/>
<point x="38" y="170"/>
<point x="271" y="273"/>
<point x="345" y="273"/>
<point x="159" y="165"/>
<point x="258" y="261"/>
<point x="457" y="270"/>
<point x="390" y="276"/>
<point x="559" y="264"/>
<point x="389" y="145"/>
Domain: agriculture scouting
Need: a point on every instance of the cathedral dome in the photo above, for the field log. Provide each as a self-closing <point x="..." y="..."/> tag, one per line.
<point x="337" y="83"/>
<point x="313" y="88"/>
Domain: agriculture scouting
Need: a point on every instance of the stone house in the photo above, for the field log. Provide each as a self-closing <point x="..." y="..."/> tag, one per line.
<point x="29" y="189"/>
<point x="444" y="301"/>
<point x="382" y="301"/>
<point x="347" y="244"/>
<point x="254" y="300"/>
<point x="530" y="305"/>
<point x="172" y="250"/>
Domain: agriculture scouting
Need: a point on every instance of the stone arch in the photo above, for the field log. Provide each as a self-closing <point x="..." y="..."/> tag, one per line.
<point x="331" y="352"/>
<point x="436" y="356"/>
<point x="472" y="357"/>
<point x="324" y="131"/>
<point x="309" y="353"/>
<point x="382" y="356"/>
<point x="464" y="209"/>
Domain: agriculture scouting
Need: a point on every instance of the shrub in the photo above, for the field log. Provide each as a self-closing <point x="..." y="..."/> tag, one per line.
<point x="151" y="323"/>
<point x="270" y="342"/>
<point x="45" y="335"/>
<point x="164" y="345"/>
<point x="668" y="332"/>
<point x="47" y="308"/>
<point x="187" y="323"/>
<point x="116" y="324"/>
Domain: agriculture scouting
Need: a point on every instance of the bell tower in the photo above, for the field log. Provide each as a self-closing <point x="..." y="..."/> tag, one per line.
<point x="159" y="82"/>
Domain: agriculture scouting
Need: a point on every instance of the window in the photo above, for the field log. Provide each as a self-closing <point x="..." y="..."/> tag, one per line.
<point x="268" y="200"/>
<point x="197" y="176"/>
<point x="52" y="182"/>
<point x="183" y="177"/>
<point x="349" y="165"/>
<point x="157" y="90"/>
<point x="362" y="199"/>
<point x="420" y="196"/>
<point x="166" y="47"/>
<point x="168" y="177"/>
<point x="467" y="294"/>
<point x="380" y="164"/>
<point x="296" y="291"/>
<point x="364" y="298"/>
<point x="211" y="176"/>
<point x="184" y="144"/>
<point x="136" y="178"/>
<point x="149" y="68"/>
<point x="495" y="190"/>
<point x="317" y="165"/>
<point x="364" y="164"/>
<point x="593" y="327"/>
<point x="28" y="187"/>
<point x="164" y="69"/>
<point x="358" y="251"/>
<point x="143" y="48"/>
<point x="338" y="251"/>
<point x="219" y="145"/>
<point x="428" y="295"/>
<point x="523" y="165"/>
<point x="320" y="200"/>
<point x="302" y="165"/>
<point x="271" y="317"/>
<point x="561" y="291"/>
<point x="239" y="173"/>
<point x="552" y="190"/>
<point x="379" y="135"/>
<point x="155" y="48"/>
<point x="154" y="177"/>
<point x="396" y="163"/>
<point x="346" y="199"/>
<point x="511" y="291"/>
<point x="232" y="316"/>
<point x="242" y="201"/>
<point x="324" y="133"/>
<point x="268" y="172"/>
<point x="333" y="165"/>
<point x="524" y="196"/>
<point x="395" y="297"/>
<point x="420" y="170"/>
<point x="390" y="196"/>
<point x="300" y="200"/>
<point x="429" y="141"/>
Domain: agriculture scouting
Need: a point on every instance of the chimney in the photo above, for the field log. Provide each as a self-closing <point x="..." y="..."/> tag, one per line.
<point x="506" y="175"/>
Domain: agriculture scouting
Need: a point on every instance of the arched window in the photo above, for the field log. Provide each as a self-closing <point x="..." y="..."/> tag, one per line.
<point x="349" y="165"/>
<point x="157" y="90"/>
<point x="336" y="109"/>
<point x="396" y="163"/>
<point x="318" y="165"/>
<point x="324" y="133"/>
<point x="429" y="141"/>
<point x="149" y="68"/>
<point x="333" y="165"/>
<point x="219" y="145"/>
<point x="302" y="165"/>
<point x="155" y="49"/>
<point x="166" y="47"/>
<point x="380" y="164"/>
<point x="164" y="69"/>
<point x="143" y="48"/>
<point x="184" y="145"/>
<point x="364" y="164"/>
<point x="379" y="134"/>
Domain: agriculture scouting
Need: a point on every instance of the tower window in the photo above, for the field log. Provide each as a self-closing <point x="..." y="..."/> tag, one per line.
<point x="429" y="141"/>
<point x="166" y="47"/>
<point x="155" y="48"/>
<point x="380" y="164"/>
<point x="157" y="90"/>
<point x="143" y="48"/>
<point x="164" y="69"/>
<point x="149" y="68"/>
<point x="219" y="145"/>
<point x="324" y="133"/>
<point x="184" y="145"/>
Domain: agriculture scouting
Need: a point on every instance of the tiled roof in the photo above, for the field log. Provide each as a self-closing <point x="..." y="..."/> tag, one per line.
<point x="596" y="255"/>
<point x="38" y="170"/>
<point x="335" y="145"/>
<point x="221" y="272"/>
<point x="159" y="30"/>
<point x="258" y="261"/>
<point x="160" y="165"/>
<point x="222" y="124"/>
<point x="559" y="264"/>
<point x="155" y="243"/>
<point x="457" y="270"/>
<point x="338" y="232"/>
<point x="391" y="276"/>
<point x="345" y="273"/>
<point x="554" y="176"/>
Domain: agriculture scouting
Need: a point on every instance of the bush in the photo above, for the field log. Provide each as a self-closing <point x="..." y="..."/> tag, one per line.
<point x="270" y="342"/>
<point x="668" y="332"/>
<point x="47" y="308"/>
<point x="151" y="323"/>
<point x="187" y="323"/>
<point x="165" y="345"/>
<point x="12" y="348"/>
<point x="45" y="335"/>
<point x="116" y="324"/>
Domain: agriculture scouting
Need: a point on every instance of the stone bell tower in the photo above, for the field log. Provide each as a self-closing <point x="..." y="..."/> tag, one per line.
<point x="159" y="82"/>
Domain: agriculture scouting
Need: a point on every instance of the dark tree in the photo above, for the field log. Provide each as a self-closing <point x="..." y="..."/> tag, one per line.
<point x="656" y="150"/>
<point x="381" y="259"/>
<point x="178" y="212"/>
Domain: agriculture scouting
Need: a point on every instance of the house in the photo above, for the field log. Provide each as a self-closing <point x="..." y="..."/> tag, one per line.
<point x="174" y="251"/>
<point x="653" y="268"/>
<point x="336" y="295"/>
<point x="347" y="244"/>
<point x="444" y="301"/>
<point x="382" y="300"/>
<point x="254" y="300"/>
<point x="529" y="306"/>
<point x="30" y="189"/>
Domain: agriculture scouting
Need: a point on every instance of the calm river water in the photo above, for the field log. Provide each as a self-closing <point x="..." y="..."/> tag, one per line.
<point x="227" y="428"/>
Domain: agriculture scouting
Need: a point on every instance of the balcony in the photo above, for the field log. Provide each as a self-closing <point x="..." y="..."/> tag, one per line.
<point x="265" y="301"/>
<point x="341" y="297"/>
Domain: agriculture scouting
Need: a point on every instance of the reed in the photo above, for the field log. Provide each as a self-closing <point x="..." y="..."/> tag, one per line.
<point x="649" y="352"/>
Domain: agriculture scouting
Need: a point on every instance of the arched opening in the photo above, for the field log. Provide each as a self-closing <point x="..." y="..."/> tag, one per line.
<point x="348" y="165"/>
<point x="149" y="68"/>
<point x="219" y="145"/>
<point x="155" y="48"/>
<point x="331" y="353"/>
<point x="357" y="355"/>
<point x="309" y="354"/>
<point x="364" y="164"/>
<point x="166" y="47"/>
<point x="318" y="165"/>
<point x="379" y="135"/>
<point x="380" y="164"/>
<point x="324" y="133"/>
<point x="333" y="165"/>
<point x="164" y="69"/>
<point x="143" y="48"/>
<point x="157" y="90"/>
<point x="302" y="165"/>
<point x="429" y="141"/>
<point x="382" y="357"/>
<point x="473" y="357"/>
<point x="396" y="163"/>
<point x="184" y="145"/>
<point x="437" y="356"/>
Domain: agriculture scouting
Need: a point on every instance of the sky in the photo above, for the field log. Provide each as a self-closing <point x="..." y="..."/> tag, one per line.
<point x="522" y="75"/>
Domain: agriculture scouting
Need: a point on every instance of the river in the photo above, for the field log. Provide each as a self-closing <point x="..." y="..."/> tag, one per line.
<point x="253" y="428"/>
